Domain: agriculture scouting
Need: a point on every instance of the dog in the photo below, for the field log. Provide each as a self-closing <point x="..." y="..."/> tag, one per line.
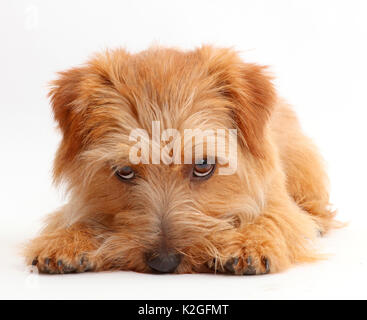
<point x="177" y="217"/>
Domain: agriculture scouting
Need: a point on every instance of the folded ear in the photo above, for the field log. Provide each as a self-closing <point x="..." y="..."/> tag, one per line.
<point x="248" y="88"/>
<point x="80" y="98"/>
<point x="65" y="95"/>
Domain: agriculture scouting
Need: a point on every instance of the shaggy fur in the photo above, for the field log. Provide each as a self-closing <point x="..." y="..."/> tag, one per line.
<point x="261" y="219"/>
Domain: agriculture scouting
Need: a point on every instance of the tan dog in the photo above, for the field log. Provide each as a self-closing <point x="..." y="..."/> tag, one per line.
<point x="181" y="218"/>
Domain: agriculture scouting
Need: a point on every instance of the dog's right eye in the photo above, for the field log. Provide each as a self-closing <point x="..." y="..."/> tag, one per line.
<point x="125" y="173"/>
<point x="203" y="169"/>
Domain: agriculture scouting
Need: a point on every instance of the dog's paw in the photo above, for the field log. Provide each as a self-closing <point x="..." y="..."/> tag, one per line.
<point x="245" y="264"/>
<point x="62" y="264"/>
<point x="61" y="253"/>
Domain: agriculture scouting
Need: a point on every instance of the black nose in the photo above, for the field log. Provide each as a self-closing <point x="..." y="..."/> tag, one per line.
<point x="164" y="262"/>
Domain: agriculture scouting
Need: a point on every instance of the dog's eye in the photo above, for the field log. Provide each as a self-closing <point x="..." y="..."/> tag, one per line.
<point x="203" y="169"/>
<point x="125" y="173"/>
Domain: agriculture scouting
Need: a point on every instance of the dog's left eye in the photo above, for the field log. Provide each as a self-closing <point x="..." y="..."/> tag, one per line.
<point x="203" y="169"/>
<point x="125" y="173"/>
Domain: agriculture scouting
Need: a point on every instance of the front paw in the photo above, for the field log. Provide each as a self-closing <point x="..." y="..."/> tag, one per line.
<point x="246" y="263"/>
<point x="61" y="253"/>
<point x="54" y="263"/>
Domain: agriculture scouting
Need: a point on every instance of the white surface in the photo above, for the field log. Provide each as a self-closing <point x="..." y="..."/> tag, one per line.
<point x="342" y="276"/>
<point x="317" y="51"/>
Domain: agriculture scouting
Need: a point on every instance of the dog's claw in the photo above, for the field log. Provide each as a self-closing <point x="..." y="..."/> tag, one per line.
<point x="34" y="262"/>
<point x="250" y="270"/>
<point x="84" y="260"/>
<point x="85" y="264"/>
<point x="266" y="264"/>
<point x="47" y="261"/>
<point x="230" y="265"/>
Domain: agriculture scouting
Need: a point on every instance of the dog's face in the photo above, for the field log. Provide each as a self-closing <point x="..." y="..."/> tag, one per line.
<point x="166" y="216"/>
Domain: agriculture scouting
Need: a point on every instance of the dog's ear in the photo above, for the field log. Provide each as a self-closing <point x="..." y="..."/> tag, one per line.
<point x="249" y="89"/>
<point x="76" y="96"/>
<point x="64" y="95"/>
<point x="68" y="110"/>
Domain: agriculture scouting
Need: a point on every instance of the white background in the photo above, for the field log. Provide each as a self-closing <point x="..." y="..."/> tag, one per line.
<point x="316" y="49"/>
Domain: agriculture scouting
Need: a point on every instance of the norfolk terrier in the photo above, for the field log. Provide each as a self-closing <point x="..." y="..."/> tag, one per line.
<point x="180" y="162"/>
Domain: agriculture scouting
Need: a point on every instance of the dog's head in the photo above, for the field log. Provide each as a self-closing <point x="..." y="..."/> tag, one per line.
<point x="164" y="213"/>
